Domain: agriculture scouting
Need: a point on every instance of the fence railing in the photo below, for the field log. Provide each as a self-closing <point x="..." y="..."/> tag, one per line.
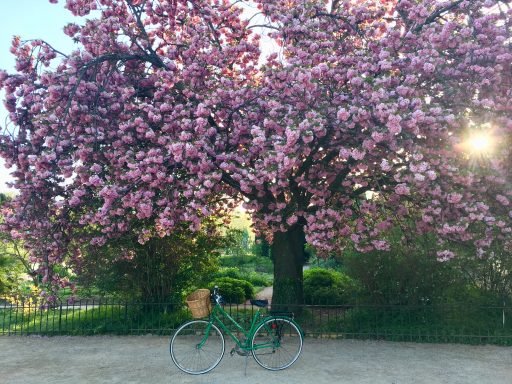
<point x="460" y="323"/>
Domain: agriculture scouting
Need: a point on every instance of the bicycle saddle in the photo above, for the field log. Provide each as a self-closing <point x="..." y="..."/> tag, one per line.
<point x="259" y="303"/>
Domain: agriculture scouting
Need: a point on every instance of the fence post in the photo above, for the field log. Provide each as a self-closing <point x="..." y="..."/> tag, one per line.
<point x="60" y="318"/>
<point x="10" y="322"/>
<point x="503" y="311"/>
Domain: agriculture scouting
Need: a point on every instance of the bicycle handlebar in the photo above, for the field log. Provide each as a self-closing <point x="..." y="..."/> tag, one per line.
<point x="216" y="295"/>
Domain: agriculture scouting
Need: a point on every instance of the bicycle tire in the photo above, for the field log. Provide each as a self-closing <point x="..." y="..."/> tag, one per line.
<point x="277" y="343"/>
<point x="187" y="353"/>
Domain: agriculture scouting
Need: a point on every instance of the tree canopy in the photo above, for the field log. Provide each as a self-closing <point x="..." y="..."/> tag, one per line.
<point x="170" y="111"/>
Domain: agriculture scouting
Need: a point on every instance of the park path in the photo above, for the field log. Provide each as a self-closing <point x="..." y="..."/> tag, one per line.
<point x="265" y="293"/>
<point x="145" y="359"/>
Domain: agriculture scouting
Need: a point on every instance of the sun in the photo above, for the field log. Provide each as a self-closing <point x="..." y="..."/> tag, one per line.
<point x="480" y="143"/>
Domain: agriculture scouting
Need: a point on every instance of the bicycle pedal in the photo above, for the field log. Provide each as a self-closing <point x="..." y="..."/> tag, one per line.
<point x="232" y="352"/>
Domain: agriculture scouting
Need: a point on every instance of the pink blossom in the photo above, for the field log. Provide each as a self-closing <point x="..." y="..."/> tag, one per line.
<point x="385" y="166"/>
<point x="402" y="189"/>
<point x="381" y="245"/>
<point x="358" y="154"/>
<point x="502" y="200"/>
<point x="144" y="210"/>
<point x="378" y="136"/>
<point x="343" y="114"/>
<point x="393" y="124"/>
<point x="429" y="68"/>
<point x="344" y="153"/>
<point x="202" y="111"/>
<point x="445" y="255"/>
<point x="355" y="238"/>
<point x="95" y="181"/>
<point x="419" y="177"/>
<point x="291" y="220"/>
<point x="427" y="219"/>
<point x="356" y="81"/>
<point x="307" y="137"/>
<point x="431" y="175"/>
<point x="454" y="198"/>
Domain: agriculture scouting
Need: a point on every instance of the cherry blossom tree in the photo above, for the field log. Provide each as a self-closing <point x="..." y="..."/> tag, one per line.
<point x="170" y="111"/>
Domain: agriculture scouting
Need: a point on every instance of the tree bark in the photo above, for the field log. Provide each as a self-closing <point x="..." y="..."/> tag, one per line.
<point x="289" y="257"/>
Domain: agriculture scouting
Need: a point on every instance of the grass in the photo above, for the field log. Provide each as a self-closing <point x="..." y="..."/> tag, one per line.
<point x="91" y="320"/>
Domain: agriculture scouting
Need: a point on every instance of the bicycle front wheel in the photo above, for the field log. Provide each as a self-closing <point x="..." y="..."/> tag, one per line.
<point x="197" y="347"/>
<point x="277" y="344"/>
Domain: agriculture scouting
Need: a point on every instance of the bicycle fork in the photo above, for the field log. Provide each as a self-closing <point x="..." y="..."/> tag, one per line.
<point x="205" y="338"/>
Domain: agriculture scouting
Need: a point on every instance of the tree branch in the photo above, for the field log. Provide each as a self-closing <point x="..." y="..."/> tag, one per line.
<point x="355" y="27"/>
<point x="437" y="14"/>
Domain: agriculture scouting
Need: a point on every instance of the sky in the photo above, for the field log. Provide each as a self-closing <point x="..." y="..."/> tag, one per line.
<point x="29" y="19"/>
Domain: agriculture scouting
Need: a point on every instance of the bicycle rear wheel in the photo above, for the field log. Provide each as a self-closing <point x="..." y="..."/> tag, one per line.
<point x="197" y="347"/>
<point x="277" y="344"/>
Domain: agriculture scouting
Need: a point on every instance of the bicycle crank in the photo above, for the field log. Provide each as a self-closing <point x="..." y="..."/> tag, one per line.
<point x="239" y="351"/>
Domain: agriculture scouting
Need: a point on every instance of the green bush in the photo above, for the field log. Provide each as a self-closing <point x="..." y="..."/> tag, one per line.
<point x="233" y="290"/>
<point x="264" y="265"/>
<point x="408" y="274"/>
<point x="258" y="279"/>
<point x="255" y="278"/>
<point x="325" y="286"/>
<point x="232" y="272"/>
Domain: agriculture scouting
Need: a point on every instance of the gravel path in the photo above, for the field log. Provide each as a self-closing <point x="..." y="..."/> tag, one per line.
<point x="265" y="293"/>
<point x="145" y="359"/>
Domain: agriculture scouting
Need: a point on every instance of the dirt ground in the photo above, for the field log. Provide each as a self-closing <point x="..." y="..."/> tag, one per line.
<point x="145" y="359"/>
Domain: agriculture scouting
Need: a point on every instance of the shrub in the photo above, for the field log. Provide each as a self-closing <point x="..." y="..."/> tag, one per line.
<point x="263" y="264"/>
<point x="257" y="279"/>
<point x="408" y="274"/>
<point x="232" y="261"/>
<point x="233" y="290"/>
<point x="232" y="272"/>
<point x="325" y="286"/>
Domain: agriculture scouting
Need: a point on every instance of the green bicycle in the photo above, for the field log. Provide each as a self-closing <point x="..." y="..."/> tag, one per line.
<point x="275" y="340"/>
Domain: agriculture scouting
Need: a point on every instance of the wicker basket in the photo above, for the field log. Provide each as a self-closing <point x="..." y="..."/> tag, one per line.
<point x="199" y="303"/>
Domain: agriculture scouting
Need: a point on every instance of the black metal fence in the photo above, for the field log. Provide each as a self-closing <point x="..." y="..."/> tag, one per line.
<point x="450" y="323"/>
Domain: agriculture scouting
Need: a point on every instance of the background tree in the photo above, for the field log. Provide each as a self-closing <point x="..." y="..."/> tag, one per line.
<point x="240" y="244"/>
<point x="261" y="247"/>
<point x="159" y="270"/>
<point x="16" y="267"/>
<point x="169" y="112"/>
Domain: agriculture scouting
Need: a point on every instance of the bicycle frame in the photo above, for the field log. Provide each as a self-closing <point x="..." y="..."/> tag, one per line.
<point x="242" y="344"/>
<point x="214" y="318"/>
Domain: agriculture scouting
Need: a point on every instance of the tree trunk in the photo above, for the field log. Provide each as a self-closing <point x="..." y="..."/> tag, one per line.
<point x="289" y="257"/>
